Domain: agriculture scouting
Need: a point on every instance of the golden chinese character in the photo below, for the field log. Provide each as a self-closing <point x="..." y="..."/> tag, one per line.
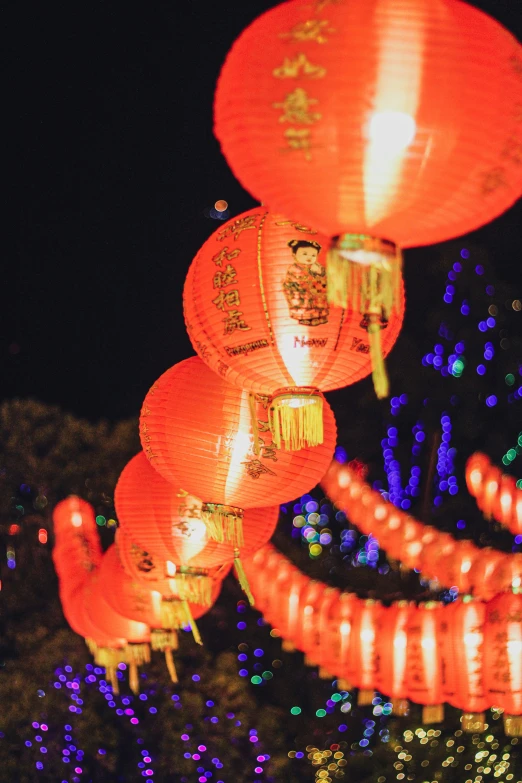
<point x="239" y="225"/>
<point x="222" y="368"/>
<point x="255" y="468"/>
<point x="263" y="400"/>
<point x="226" y="277"/>
<point x="311" y="30"/>
<point x="233" y="321"/>
<point x="297" y="226"/>
<point x="513" y="150"/>
<point x="269" y="452"/>
<point x="296" y="108"/>
<point x="493" y="179"/>
<point x="225" y="255"/>
<point x="297" y="67"/>
<point x="299" y="139"/>
<point x="227" y="298"/>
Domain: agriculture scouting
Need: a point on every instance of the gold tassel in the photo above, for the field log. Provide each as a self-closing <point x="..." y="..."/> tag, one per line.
<point x="365" y="697"/>
<point x="433" y="713"/>
<point x="195" y="588"/>
<point x="112" y="676"/>
<point x="162" y="639"/>
<point x="189" y="620"/>
<point x="296" y="419"/>
<point x="255" y="427"/>
<point x="473" y="722"/>
<point x="242" y="578"/>
<point x="344" y="685"/>
<point x="109" y="657"/>
<point x="169" y="660"/>
<point x="224" y="523"/>
<point x="400" y="707"/>
<point x="91" y="646"/>
<point x="308" y="661"/>
<point x="513" y="725"/>
<point x="134" y="682"/>
<point x="324" y="674"/>
<point x="171" y="613"/>
<point x="379" y="375"/>
<point x="137" y="654"/>
<point x="287" y="646"/>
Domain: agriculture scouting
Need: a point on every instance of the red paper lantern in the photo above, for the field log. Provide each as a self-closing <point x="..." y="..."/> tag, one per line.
<point x="424" y="661"/>
<point x="337" y="656"/>
<point x="461" y="642"/>
<point x="77" y="551"/>
<point x="256" y="311"/>
<point x="395" y="120"/>
<point x="391" y="660"/>
<point x="196" y="430"/>
<point x="503" y="658"/>
<point x="482" y="570"/>
<point x="364" y="648"/>
<point x="171" y="528"/>
<point x="455" y="570"/>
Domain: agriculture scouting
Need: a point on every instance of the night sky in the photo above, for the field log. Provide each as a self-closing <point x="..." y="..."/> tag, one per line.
<point x="111" y="164"/>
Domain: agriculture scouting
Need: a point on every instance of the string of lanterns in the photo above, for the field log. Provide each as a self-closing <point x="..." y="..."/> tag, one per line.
<point x="466" y="654"/>
<point x="482" y="572"/>
<point x="497" y="493"/>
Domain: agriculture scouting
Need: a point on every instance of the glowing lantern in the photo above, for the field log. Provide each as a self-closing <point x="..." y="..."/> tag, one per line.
<point x="503" y="658"/>
<point x="172" y="529"/>
<point x="424" y="661"/>
<point x="77" y="549"/>
<point x="364" y="648"/>
<point x="482" y="569"/>
<point x="391" y="659"/>
<point x="196" y="431"/>
<point x="337" y="657"/>
<point x="411" y="138"/>
<point x="455" y="571"/>
<point x="434" y="554"/>
<point x="256" y="311"/>
<point x="507" y="574"/>
<point x="461" y="640"/>
<point x="307" y="631"/>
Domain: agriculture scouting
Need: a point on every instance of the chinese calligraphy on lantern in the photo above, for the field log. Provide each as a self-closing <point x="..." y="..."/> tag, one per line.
<point x="316" y="30"/>
<point x="299" y="67"/>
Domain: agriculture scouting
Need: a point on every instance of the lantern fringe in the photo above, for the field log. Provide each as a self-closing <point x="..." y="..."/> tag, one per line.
<point x="287" y="646"/>
<point x="137" y="654"/>
<point x="379" y="374"/>
<point x="473" y="722"/>
<point x="308" y="661"/>
<point x="401" y="707"/>
<point x="242" y="578"/>
<point x="224" y="523"/>
<point x="112" y="676"/>
<point x="194" y="588"/>
<point x="324" y="674"/>
<point x="192" y="623"/>
<point x="91" y="646"/>
<point x="513" y="725"/>
<point x="162" y="639"/>
<point x="344" y="685"/>
<point x="433" y="713"/>
<point x="169" y="660"/>
<point x="365" y="697"/>
<point x="134" y="682"/>
<point x="296" y="419"/>
<point x="171" y="613"/>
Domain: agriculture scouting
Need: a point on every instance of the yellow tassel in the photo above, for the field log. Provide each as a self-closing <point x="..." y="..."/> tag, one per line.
<point x="401" y="707"/>
<point x="171" y="613"/>
<point x="433" y="713"/>
<point x="324" y="674"/>
<point x="137" y="654"/>
<point x="287" y="646"/>
<point x="242" y="578"/>
<point x="108" y="657"/>
<point x="134" y="682"/>
<point x="255" y="426"/>
<point x="296" y="419"/>
<point x="344" y="685"/>
<point x="224" y="523"/>
<point x="194" y="588"/>
<point x="112" y="676"/>
<point x="473" y="722"/>
<point x="189" y="620"/>
<point x="169" y="660"/>
<point x="162" y="639"/>
<point x="365" y="697"/>
<point x="379" y="375"/>
<point x="91" y="646"/>
<point x="308" y="661"/>
<point x="513" y="725"/>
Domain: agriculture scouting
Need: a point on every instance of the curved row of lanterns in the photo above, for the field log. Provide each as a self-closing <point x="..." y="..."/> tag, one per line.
<point x="497" y="493"/>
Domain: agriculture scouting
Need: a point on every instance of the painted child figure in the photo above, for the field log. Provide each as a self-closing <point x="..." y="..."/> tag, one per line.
<point x="305" y="284"/>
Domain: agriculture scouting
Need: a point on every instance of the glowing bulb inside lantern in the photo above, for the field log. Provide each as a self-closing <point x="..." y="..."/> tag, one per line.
<point x="400" y="640"/>
<point x="392" y="131"/>
<point x="516" y="582"/>
<point x="466" y="565"/>
<point x="76" y="519"/>
<point x="171" y="568"/>
<point x="428" y="643"/>
<point x="195" y="530"/>
<point x="345" y="628"/>
<point x="475" y="478"/>
<point x="367" y="635"/>
<point x="473" y="639"/>
<point x="515" y="646"/>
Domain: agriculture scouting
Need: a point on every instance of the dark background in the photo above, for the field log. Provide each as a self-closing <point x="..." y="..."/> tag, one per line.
<point x="111" y="163"/>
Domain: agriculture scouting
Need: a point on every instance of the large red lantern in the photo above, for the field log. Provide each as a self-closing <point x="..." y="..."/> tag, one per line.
<point x="503" y="658"/>
<point x="391" y="659"/>
<point x="375" y="120"/>
<point x="364" y="648"/>
<point x="196" y="430"/>
<point x="337" y="657"/>
<point x="257" y="313"/>
<point x="424" y="661"/>
<point x="172" y="530"/>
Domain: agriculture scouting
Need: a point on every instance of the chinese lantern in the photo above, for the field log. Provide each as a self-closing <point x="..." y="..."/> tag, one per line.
<point x="363" y="648"/>
<point x="461" y="641"/>
<point x="172" y="528"/>
<point x="287" y="616"/>
<point x="337" y="657"/>
<point x="503" y="658"/>
<point x="482" y="569"/>
<point x="196" y="431"/>
<point x="433" y="555"/>
<point x="455" y="570"/>
<point x="256" y="311"/>
<point x="497" y="494"/>
<point x="424" y="661"/>
<point x="507" y="574"/>
<point x="307" y="627"/>
<point x="316" y="643"/>
<point x="375" y="120"/>
<point x="391" y="658"/>
<point x="77" y="549"/>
